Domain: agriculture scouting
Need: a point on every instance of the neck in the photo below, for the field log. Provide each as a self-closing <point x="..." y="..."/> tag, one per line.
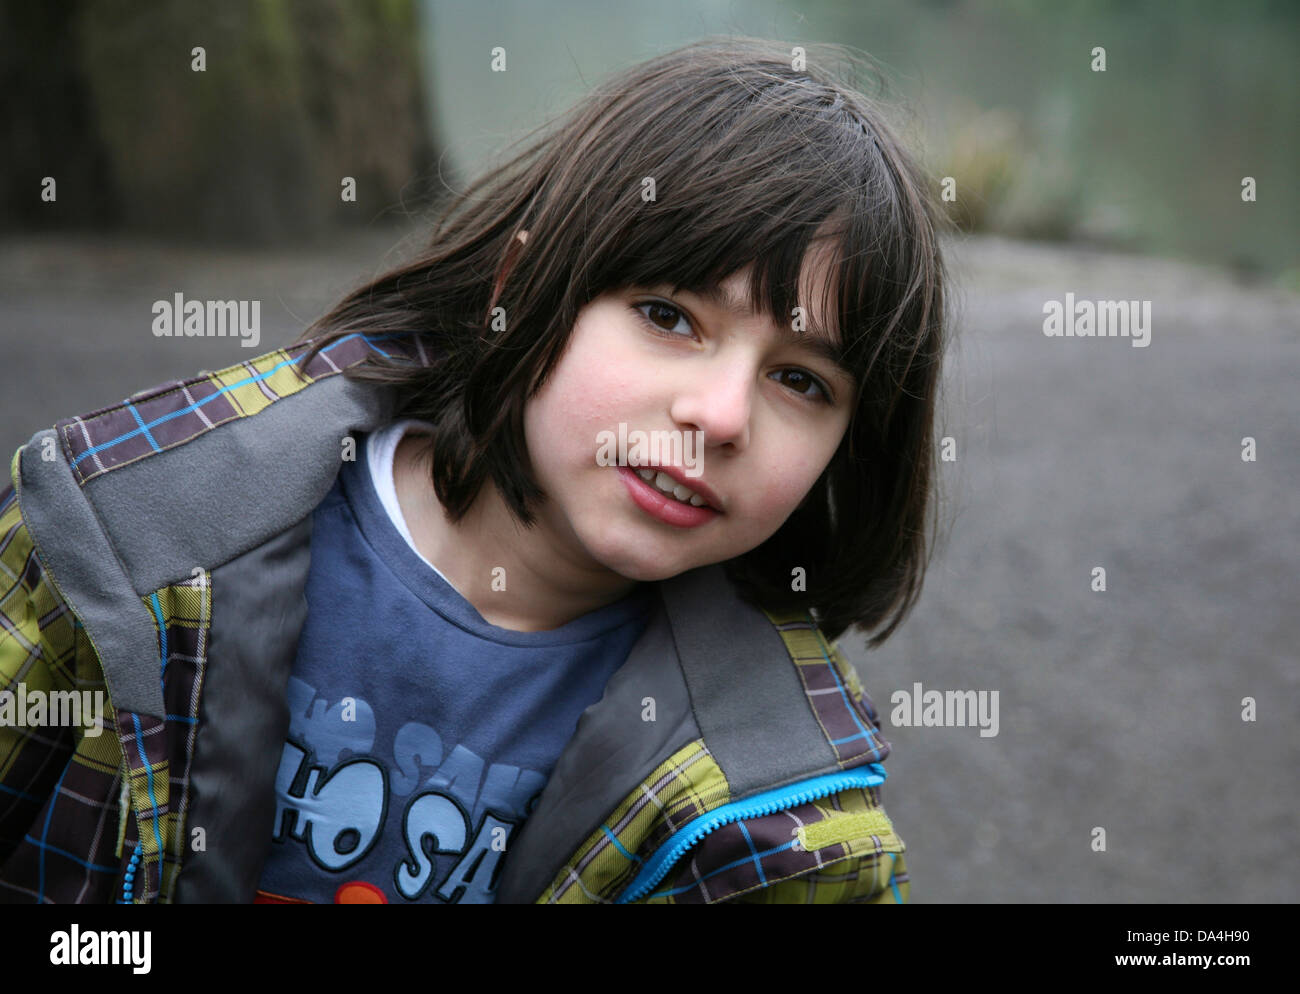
<point x="517" y="578"/>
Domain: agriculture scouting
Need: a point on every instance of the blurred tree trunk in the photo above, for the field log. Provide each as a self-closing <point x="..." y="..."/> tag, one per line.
<point x="295" y="96"/>
<point x="47" y="125"/>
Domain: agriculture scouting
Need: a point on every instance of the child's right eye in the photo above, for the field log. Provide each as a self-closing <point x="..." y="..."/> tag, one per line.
<point x="662" y="309"/>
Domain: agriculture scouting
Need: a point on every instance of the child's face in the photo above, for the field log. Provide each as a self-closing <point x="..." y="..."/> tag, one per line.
<point x="769" y="429"/>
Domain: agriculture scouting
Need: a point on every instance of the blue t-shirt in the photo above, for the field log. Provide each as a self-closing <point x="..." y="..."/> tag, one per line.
<point x="420" y="735"/>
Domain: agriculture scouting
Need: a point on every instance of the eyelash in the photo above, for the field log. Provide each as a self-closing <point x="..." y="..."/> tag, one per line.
<point x="826" y="397"/>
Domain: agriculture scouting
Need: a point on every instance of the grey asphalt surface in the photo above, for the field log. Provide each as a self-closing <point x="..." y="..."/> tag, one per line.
<point x="1119" y="709"/>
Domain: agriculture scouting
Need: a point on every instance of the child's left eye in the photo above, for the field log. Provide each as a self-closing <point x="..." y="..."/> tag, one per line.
<point x="804" y="384"/>
<point x="799" y="380"/>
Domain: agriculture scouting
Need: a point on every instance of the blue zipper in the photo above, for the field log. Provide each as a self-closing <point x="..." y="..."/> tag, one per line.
<point x="766" y="803"/>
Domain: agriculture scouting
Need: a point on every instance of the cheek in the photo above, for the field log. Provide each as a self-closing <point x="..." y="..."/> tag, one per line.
<point x="563" y="422"/>
<point x="786" y="471"/>
<point x="779" y="491"/>
<point x="592" y="386"/>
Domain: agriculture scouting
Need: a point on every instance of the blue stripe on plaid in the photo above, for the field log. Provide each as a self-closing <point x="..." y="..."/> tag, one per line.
<point x="756" y="858"/>
<point x="181" y="412"/>
<point x="46" y="847"/>
<point x="848" y="706"/>
<point x="148" y="772"/>
<point x="143" y="427"/>
<point x="45" y="832"/>
<point x="18" y="793"/>
<point x="843" y="710"/>
<point x="619" y="846"/>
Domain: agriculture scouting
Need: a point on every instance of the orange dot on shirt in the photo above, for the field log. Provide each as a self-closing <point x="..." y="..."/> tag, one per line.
<point x="359" y="892"/>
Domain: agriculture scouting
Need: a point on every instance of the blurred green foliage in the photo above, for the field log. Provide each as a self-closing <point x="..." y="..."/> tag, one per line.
<point x="1148" y="155"/>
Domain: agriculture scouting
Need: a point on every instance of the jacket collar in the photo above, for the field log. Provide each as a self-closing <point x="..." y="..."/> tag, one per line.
<point x="184" y="477"/>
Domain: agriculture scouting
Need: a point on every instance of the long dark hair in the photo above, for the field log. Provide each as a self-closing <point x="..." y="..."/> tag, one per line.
<point x="753" y="155"/>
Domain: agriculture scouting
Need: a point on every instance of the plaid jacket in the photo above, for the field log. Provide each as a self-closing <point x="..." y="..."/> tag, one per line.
<point x="156" y="551"/>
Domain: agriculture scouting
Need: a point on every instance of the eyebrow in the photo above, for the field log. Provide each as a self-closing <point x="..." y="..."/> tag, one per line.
<point x="814" y="338"/>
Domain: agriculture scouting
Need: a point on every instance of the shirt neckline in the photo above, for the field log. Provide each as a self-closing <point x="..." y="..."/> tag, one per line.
<point x="424" y="580"/>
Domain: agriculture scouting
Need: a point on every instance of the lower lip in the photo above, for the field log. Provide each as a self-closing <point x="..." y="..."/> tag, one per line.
<point x="661" y="506"/>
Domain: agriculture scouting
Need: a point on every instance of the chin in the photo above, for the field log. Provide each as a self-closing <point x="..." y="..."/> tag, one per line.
<point x="644" y="570"/>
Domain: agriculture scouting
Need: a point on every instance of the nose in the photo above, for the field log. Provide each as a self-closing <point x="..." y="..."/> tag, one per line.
<point x="716" y="399"/>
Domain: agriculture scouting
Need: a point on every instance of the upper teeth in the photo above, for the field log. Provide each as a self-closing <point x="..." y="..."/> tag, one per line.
<point x="664" y="482"/>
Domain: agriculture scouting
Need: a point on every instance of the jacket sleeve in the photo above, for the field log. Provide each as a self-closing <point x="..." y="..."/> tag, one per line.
<point x="850" y="854"/>
<point x="38" y="653"/>
<point x="860" y="858"/>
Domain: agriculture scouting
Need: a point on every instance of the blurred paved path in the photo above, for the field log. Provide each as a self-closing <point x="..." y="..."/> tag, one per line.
<point x="1119" y="709"/>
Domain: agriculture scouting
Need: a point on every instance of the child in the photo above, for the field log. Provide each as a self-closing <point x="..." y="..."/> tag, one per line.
<point x="515" y="579"/>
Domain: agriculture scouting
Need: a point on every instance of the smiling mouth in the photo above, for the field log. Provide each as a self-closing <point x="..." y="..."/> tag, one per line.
<point x="662" y="505"/>
<point x="669" y="487"/>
